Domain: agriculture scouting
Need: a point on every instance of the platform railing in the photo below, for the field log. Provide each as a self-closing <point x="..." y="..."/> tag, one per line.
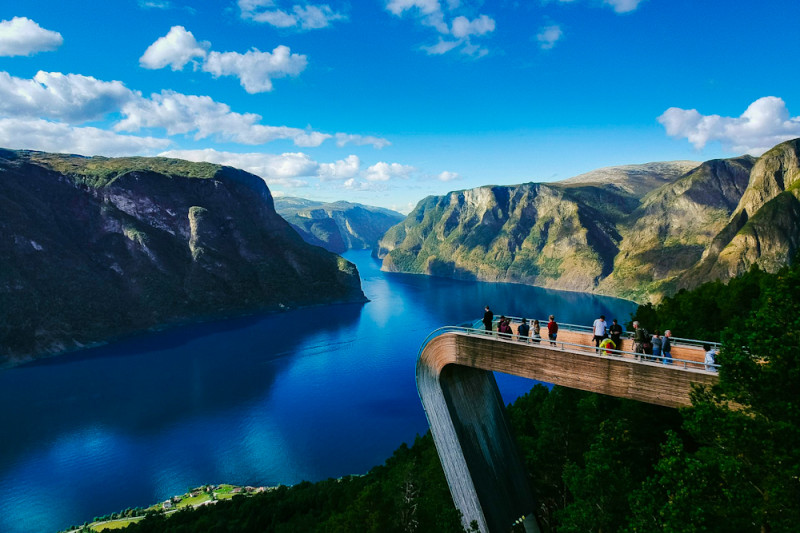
<point x="478" y="324"/>
<point x="544" y="342"/>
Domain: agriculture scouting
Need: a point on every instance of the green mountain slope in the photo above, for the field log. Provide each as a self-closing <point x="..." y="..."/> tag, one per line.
<point x="337" y="226"/>
<point x="673" y="225"/>
<point x="94" y="248"/>
<point x="559" y="235"/>
<point x="764" y="229"/>
<point x="636" y="231"/>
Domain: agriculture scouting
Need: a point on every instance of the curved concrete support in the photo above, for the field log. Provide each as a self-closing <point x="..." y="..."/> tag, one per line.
<point x="467" y="417"/>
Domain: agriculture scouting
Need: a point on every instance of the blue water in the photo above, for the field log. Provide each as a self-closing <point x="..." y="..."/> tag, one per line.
<point x="303" y="395"/>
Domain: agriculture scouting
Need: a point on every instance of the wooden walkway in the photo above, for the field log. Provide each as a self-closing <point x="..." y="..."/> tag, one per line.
<point x="467" y="416"/>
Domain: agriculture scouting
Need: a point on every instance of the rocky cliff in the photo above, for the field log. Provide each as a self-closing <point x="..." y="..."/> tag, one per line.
<point x="337" y="226"/>
<point x="95" y="248"/>
<point x="637" y="231"/>
<point x="764" y="229"/>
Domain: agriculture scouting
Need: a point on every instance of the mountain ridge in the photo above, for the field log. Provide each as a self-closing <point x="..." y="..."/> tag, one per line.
<point x="96" y="248"/>
<point x="337" y="226"/>
<point x="624" y="231"/>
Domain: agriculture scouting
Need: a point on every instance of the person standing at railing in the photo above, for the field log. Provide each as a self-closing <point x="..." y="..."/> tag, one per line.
<point x="488" y="317"/>
<point x="657" y="343"/>
<point x="523" y="330"/>
<point x="537" y="331"/>
<point x="504" y="326"/>
<point x="711" y="358"/>
<point x="666" y="347"/>
<point x="600" y="326"/>
<point x="552" y="330"/>
<point x="639" y="339"/>
<point x="615" y="331"/>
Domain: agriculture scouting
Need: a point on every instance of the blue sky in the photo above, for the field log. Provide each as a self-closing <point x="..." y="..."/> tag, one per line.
<point x="387" y="101"/>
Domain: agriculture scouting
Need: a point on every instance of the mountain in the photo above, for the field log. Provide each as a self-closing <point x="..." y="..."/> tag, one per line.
<point x="634" y="231"/>
<point x="337" y="226"/>
<point x="557" y="235"/>
<point x="764" y="229"/>
<point x="94" y="248"/>
<point x="673" y="225"/>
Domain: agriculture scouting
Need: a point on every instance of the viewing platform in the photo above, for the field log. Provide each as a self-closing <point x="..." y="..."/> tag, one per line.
<point x="467" y="415"/>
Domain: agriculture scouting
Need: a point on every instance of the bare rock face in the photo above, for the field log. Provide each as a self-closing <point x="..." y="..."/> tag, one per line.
<point x="636" y="231"/>
<point x="95" y="248"/>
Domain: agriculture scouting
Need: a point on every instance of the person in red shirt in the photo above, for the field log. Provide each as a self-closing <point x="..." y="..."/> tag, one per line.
<point x="552" y="330"/>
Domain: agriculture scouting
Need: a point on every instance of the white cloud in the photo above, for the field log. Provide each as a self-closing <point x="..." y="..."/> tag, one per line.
<point x="296" y="169"/>
<point x="442" y="47"/>
<point x="155" y="4"/>
<point x="356" y="185"/>
<point x="548" y="36"/>
<point x="462" y="27"/>
<point x="765" y="123"/>
<point x="69" y="97"/>
<point x="275" y="169"/>
<point x="347" y="168"/>
<point x="175" y="49"/>
<point x="448" y="176"/>
<point x="434" y="14"/>
<point x="345" y="138"/>
<point x="21" y="36"/>
<point x="623" y="6"/>
<point x="382" y="171"/>
<point x="203" y="117"/>
<point x="76" y="99"/>
<point x="397" y="7"/>
<point x="255" y="69"/>
<point x="38" y="134"/>
<point x="306" y="17"/>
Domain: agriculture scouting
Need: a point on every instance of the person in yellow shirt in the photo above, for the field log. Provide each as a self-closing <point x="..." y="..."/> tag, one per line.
<point x="607" y="344"/>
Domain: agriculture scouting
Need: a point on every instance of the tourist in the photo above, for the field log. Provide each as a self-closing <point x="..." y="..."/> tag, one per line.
<point x="503" y="326"/>
<point x="656" y="342"/>
<point x="537" y="331"/>
<point x="639" y="339"/>
<point x="615" y="331"/>
<point x="711" y="358"/>
<point x="599" y="327"/>
<point x="488" y="317"/>
<point x="523" y="330"/>
<point x="666" y="347"/>
<point x="552" y="330"/>
<point x="607" y="344"/>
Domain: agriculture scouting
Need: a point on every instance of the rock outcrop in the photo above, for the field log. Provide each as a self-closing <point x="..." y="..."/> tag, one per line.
<point x="337" y="226"/>
<point x="95" y="248"/>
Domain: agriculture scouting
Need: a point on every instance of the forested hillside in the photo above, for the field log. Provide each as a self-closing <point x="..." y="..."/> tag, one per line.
<point x="602" y="464"/>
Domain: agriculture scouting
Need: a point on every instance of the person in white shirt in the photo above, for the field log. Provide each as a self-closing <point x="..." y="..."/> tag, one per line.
<point x="600" y="328"/>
